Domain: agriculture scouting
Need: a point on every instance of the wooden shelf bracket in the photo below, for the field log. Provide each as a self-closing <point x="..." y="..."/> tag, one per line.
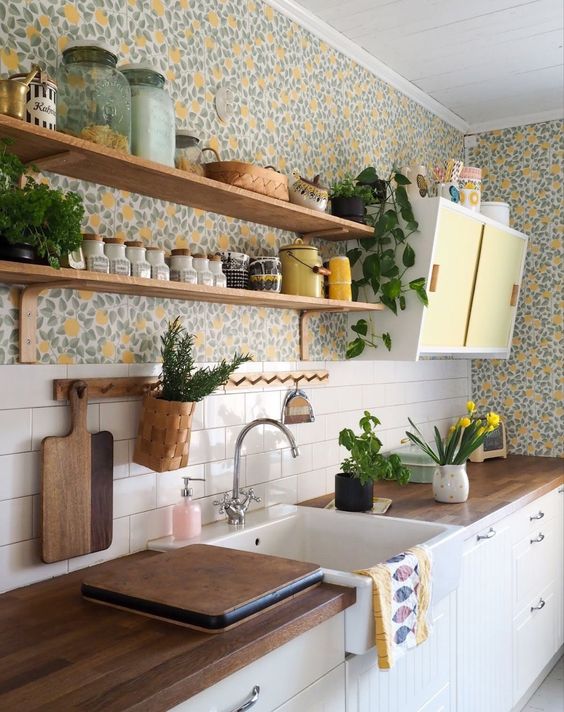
<point x="28" y="318"/>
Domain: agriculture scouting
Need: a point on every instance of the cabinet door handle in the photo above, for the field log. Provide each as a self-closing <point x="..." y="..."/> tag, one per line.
<point x="540" y="515"/>
<point x="489" y="535"/>
<point x="434" y="278"/>
<point x="541" y="604"/>
<point x="514" y="296"/>
<point x="538" y="539"/>
<point x="251" y="702"/>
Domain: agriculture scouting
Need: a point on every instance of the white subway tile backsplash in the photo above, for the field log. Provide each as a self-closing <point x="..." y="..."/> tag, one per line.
<point x="149" y="525"/>
<point x="134" y="467"/>
<point x="253" y="441"/>
<point x="207" y="446"/>
<point x="16" y="520"/>
<point x="20" y="565"/>
<point x="29" y="386"/>
<point x="263" y="467"/>
<point x="134" y="494"/>
<point x="265" y="404"/>
<point x="56" y="421"/>
<point x="294" y="465"/>
<point x="15" y="431"/>
<point x="222" y="410"/>
<point x="219" y="476"/>
<point x="169" y="484"/>
<point x="118" y="547"/>
<point x="282" y="491"/>
<point x="384" y="372"/>
<point x="312" y="432"/>
<point x="121" y="419"/>
<point x="19" y="475"/>
<point x="311" y="484"/>
<point x="121" y="459"/>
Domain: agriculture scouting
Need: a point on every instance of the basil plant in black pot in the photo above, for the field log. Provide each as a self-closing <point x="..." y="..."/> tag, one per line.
<point x="37" y="223"/>
<point x="364" y="466"/>
<point x="349" y="199"/>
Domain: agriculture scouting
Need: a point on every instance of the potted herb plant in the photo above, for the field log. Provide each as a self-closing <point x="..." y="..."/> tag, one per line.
<point x="364" y="466"/>
<point x="35" y="221"/>
<point x="450" y="479"/>
<point x="349" y="199"/>
<point x="163" y="439"/>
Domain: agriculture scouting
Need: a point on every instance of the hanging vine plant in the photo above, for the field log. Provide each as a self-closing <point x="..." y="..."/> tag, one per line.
<point x="386" y="256"/>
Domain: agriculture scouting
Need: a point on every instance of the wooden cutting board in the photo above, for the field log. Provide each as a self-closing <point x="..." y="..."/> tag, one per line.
<point x="76" y="487"/>
<point x="210" y="588"/>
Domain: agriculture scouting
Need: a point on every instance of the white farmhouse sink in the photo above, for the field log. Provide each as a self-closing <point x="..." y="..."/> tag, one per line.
<point x="340" y="542"/>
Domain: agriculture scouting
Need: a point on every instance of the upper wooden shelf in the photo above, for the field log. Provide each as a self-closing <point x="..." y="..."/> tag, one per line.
<point x="76" y="158"/>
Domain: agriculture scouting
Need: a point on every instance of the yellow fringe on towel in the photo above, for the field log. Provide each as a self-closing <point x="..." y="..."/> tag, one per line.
<point x="382" y="605"/>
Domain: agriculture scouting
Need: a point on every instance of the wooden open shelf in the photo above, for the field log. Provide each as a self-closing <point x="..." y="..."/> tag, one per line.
<point x="35" y="279"/>
<point x="76" y="158"/>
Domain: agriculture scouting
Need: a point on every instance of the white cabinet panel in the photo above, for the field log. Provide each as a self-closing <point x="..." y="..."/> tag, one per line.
<point x="325" y="695"/>
<point x="419" y="677"/>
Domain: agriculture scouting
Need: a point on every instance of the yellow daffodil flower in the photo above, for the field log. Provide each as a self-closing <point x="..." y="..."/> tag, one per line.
<point x="493" y="420"/>
<point x="470" y="407"/>
<point x="464" y="422"/>
<point x="452" y="429"/>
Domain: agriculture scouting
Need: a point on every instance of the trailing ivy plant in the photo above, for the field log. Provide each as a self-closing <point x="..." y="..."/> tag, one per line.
<point x="386" y="256"/>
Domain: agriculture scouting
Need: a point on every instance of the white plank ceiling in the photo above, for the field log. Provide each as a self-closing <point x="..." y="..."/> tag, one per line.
<point x="491" y="62"/>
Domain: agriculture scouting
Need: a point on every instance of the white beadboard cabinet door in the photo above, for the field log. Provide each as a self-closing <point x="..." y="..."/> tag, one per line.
<point x="484" y="623"/>
<point x="420" y="681"/>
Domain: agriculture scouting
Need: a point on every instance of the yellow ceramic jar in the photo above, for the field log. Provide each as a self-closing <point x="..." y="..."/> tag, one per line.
<point x="341" y="291"/>
<point x="302" y="270"/>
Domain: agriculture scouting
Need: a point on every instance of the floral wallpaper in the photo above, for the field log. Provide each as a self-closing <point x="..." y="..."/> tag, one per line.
<point x="299" y="104"/>
<point x="524" y="166"/>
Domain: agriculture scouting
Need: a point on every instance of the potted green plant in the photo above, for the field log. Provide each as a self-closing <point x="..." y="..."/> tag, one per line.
<point x="35" y="221"/>
<point x="163" y="439"/>
<point x="450" y="479"/>
<point x="364" y="466"/>
<point x="349" y="199"/>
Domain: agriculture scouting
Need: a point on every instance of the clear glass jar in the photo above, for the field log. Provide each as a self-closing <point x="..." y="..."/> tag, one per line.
<point x="202" y="267"/>
<point x="94" y="99"/>
<point x="189" y="155"/>
<point x="181" y="268"/>
<point x="152" y="115"/>
<point x="93" y="249"/>
<point x="136" y="254"/>
<point x="159" y="268"/>
<point x="219" y="279"/>
<point x="114" y="247"/>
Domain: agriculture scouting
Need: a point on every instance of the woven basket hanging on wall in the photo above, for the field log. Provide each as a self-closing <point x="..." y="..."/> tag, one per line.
<point x="163" y="439"/>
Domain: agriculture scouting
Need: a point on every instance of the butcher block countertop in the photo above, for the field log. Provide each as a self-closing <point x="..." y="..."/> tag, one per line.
<point x="498" y="487"/>
<point x="59" y="652"/>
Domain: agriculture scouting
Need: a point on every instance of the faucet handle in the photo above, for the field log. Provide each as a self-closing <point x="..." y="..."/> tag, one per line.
<point x="221" y="503"/>
<point x="251" y="496"/>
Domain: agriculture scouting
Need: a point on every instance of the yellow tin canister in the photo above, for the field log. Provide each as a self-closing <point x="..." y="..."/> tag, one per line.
<point x="302" y="270"/>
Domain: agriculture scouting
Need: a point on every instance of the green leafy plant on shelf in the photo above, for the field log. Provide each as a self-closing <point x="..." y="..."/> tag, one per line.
<point x="348" y="187"/>
<point x="386" y="256"/>
<point x="180" y="380"/>
<point x="365" y="462"/>
<point x="47" y="219"/>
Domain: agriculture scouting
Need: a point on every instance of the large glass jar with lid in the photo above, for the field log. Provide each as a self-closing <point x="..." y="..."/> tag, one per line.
<point x="94" y="99"/>
<point x="152" y="114"/>
<point x="189" y="153"/>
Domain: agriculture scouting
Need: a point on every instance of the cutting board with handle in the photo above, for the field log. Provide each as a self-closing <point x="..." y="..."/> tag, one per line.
<point x="76" y="486"/>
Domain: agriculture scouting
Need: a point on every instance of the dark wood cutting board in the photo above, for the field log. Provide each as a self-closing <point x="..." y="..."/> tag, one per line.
<point x="76" y="487"/>
<point x="207" y="587"/>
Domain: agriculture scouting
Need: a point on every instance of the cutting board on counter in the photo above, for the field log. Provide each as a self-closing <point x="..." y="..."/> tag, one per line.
<point x="76" y="487"/>
<point x="206" y="587"/>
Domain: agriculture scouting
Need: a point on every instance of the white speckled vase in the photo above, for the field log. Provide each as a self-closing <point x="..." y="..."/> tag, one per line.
<point x="450" y="483"/>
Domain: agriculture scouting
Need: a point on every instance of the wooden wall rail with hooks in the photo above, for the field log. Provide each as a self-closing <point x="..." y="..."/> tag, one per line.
<point x="135" y="386"/>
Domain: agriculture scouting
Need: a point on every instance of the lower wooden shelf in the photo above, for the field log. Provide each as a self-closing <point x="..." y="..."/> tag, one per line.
<point x="35" y="279"/>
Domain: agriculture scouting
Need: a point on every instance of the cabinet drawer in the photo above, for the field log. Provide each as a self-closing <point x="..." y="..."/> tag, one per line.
<point x="536" y="639"/>
<point x="325" y="695"/>
<point x="536" y="513"/>
<point x="280" y="674"/>
<point x="536" y="559"/>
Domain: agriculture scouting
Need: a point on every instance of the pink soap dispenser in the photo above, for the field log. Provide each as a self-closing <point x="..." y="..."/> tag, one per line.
<point x="187" y="514"/>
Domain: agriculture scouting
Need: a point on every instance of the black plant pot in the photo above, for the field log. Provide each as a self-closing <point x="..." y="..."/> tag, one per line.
<point x="348" y="208"/>
<point x="350" y="495"/>
<point x="18" y="252"/>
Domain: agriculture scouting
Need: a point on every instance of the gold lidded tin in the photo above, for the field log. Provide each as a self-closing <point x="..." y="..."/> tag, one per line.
<point x="40" y="100"/>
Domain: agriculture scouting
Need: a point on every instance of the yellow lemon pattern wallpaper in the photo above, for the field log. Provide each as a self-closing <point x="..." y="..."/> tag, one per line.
<point x="525" y="167"/>
<point x="298" y="104"/>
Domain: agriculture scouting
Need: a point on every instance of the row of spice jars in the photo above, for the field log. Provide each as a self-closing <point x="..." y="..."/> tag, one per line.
<point x="112" y="255"/>
<point x="196" y="268"/>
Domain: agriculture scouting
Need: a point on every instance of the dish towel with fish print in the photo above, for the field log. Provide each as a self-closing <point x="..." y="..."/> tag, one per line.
<point x="401" y="593"/>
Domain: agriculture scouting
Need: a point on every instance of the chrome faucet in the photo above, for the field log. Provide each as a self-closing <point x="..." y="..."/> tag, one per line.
<point x="236" y="506"/>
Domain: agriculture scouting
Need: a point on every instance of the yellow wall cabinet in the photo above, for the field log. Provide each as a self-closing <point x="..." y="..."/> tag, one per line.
<point x="473" y="268"/>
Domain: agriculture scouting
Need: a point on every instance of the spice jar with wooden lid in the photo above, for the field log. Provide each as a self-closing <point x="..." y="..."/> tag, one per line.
<point x="93" y="250"/>
<point x="114" y="247"/>
<point x="181" y="268"/>
<point x="202" y="267"/>
<point x="219" y="279"/>
<point x="159" y="268"/>
<point x="136" y="254"/>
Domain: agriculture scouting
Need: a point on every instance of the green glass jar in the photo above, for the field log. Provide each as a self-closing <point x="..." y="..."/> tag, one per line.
<point x="94" y="99"/>
<point x="152" y="114"/>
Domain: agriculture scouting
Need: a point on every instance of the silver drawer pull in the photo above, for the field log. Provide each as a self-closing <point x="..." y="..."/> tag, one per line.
<point x="251" y="702"/>
<point x="541" y="604"/>
<point x="561" y="490"/>
<point x="538" y="539"/>
<point x="489" y="535"/>
<point x="540" y="515"/>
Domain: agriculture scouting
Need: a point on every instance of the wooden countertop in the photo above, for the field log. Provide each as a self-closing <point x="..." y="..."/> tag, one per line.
<point x="59" y="652"/>
<point x="497" y="488"/>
